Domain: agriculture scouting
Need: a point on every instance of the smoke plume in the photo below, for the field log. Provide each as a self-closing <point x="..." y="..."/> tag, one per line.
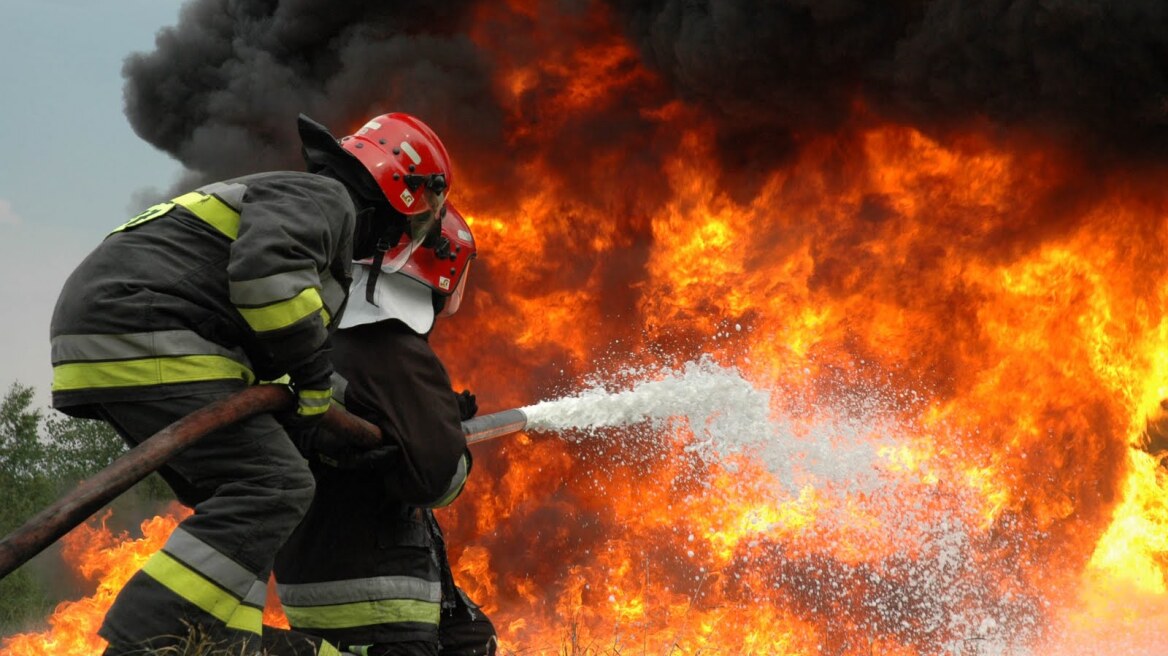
<point x="1091" y="72"/>
<point x="221" y="90"/>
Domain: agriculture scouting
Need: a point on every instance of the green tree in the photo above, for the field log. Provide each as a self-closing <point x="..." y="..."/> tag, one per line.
<point x="76" y="448"/>
<point x="42" y="458"/>
<point x="26" y="490"/>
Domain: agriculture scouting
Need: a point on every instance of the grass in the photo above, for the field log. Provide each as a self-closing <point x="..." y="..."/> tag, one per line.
<point x="197" y="643"/>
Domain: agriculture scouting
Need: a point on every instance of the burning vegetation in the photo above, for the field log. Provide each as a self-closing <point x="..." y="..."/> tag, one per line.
<point x="935" y="233"/>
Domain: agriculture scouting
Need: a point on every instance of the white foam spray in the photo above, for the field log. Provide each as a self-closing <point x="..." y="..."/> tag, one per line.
<point x="719" y="404"/>
<point x="727" y="415"/>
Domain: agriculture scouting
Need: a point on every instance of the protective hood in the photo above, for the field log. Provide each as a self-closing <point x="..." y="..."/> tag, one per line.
<point x="396" y="296"/>
<point x="322" y="152"/>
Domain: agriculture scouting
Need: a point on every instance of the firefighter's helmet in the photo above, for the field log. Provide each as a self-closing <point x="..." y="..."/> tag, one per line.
<point x="406" y="158"/>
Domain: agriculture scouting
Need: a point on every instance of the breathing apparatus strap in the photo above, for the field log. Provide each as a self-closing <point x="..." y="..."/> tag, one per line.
<point x="391" y="236"/>
<point x="375" y="272"/>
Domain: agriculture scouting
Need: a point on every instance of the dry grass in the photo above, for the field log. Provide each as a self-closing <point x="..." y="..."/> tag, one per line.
<point x="197" y="643"/>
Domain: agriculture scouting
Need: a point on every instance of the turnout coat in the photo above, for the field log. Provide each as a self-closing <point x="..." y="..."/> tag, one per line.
<point x="235" y="282"/>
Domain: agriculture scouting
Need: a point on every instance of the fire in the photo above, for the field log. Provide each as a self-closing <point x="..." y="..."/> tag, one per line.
<point x="997" y="303"/>
<point x="985" y="319"/>
<point x="106" y="559"/>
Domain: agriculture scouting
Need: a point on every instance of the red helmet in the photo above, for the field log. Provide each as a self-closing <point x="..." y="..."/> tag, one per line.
<point x="406" y="158"/>
<point x="443" y="267"/>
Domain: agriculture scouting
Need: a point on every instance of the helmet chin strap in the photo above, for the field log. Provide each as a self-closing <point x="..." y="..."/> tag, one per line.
<point x="423" y="230"/>
<point x="388" y="238"/>
<point x="364" y="237"/>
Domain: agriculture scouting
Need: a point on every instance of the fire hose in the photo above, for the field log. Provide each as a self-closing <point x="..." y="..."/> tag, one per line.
<point x="131" y="467"/>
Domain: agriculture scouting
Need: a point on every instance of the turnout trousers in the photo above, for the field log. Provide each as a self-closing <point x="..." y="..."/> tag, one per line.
<point x="371" y="576"/>
<point x="249" y="488"/>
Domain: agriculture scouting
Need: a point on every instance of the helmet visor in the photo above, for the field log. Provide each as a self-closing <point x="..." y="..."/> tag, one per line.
<point x="455" y="299"/>
<point x="421" y="230"/>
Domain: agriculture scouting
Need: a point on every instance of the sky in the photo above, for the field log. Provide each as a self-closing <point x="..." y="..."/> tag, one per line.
<point x="71" y="168"/>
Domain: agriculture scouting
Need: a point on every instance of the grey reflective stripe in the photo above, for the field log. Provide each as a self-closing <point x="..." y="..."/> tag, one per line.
<point x="76" y="348"/>
<point x="331" y="292"/>
<point x="307" y="401"/>
<point x="258" y="595"/>
<point x="340" y="386"/>
<point x="353" y="590"/>
<point x="456" y="483"/>
<point x="204" y="559"/>
<point x="271" y="289"/>
<point x="231" y="193"/>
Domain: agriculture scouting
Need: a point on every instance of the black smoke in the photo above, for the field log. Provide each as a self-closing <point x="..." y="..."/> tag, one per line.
<point x="1092" y="73"/>
<point x="221" y="89"/>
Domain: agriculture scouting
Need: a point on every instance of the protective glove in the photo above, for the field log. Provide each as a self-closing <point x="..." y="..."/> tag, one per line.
<point x="312" y="382"/>
<point x="467" y="405"/>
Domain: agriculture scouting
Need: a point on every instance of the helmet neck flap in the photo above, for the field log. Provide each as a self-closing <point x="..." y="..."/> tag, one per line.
<point x="377" y="222"/>
<point x="323" y="154"/>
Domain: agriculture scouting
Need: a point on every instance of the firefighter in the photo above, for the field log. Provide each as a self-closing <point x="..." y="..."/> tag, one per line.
<point x="201" y="296"/>
<point x="367" y="567"/>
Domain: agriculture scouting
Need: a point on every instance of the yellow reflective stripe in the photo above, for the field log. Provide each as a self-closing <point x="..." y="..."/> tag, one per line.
<point x="209" y="209"/>
<point x="362" y="613"/>
<point x="247" y="618"/>
<point x="213" y="211"/>
<point x="314" y="402"/>
<point x="283" y="314"/>
<point x="324" y="314"/>
<point x="148" y="371"/>
<point x="150" y="213"/>
<point x="327" y="649"/>
<point x="189" y="585"/>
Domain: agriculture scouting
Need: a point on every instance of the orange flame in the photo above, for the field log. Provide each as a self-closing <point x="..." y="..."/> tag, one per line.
<point x="107" y="559"/>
